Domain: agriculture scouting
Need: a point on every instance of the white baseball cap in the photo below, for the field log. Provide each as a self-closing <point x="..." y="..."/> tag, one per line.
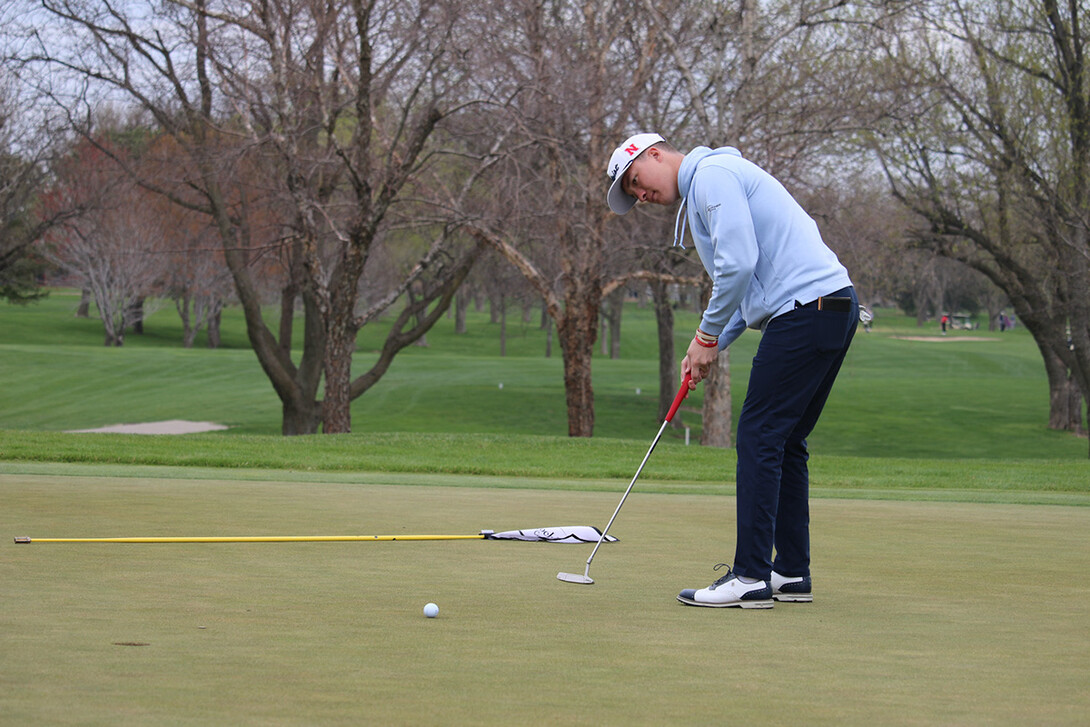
<point x="623" y="156"/>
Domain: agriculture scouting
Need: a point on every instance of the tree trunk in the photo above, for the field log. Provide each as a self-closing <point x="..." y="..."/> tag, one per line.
<point x="300" y="418"/>
<point x="502" y="303"/>
<point x="214" y="337"/>
<point x="336" y="397"/>
<point x="295" y="386"/>
<point x="577" y="386"/>
<point x="461" y="302"/>
<point x="287" y="317"/>
<point x="421" y="314"/>
<point x="716" y="416"/>
<point x="616" y="309"/>
<point x="1064" y="399"/>
<point x="578" y="331"/>
<point x="668" y="378"/>
<point x="289" y="294"/>
<point x="340" y="334"/>
<point x="337" y="365"/>
<point x="189" y="333"/>
<point x="1077" y="283"/>
<point x="135" y="313"/>
<point x="717" y="404"/>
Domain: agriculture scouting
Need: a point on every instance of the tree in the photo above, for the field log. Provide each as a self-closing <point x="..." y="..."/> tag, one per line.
<point x="113" y="248"/>
<point x="576" y="73"/>
<point x="325" y="113"/>
<point x="193" y="272"/>
<point x="763" y="76"/>
<point x="196" y="278"/>
<point x="988" y="141"/>
<point x="19" y="269"/>
<point x="24" y="154"/>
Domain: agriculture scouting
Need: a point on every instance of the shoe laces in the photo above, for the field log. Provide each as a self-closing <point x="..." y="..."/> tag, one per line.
<point x="723" y="579"/>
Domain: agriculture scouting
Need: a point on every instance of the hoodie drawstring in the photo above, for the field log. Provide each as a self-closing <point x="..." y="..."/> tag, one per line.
<point x="679" y="238"/>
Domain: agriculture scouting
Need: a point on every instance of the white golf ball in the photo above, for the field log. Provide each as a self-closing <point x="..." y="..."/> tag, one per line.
<point x="431" y="610"/>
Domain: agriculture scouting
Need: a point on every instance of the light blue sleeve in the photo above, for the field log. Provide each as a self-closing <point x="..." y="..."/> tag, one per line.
<point x="736" y="326"/>
<point x="720" y="201"/>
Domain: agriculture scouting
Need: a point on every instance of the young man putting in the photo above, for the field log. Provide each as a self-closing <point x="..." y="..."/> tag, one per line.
<point x="770" y="270"/>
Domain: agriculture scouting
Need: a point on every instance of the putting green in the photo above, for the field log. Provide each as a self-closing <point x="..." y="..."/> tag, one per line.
<point x="924" y="613"/>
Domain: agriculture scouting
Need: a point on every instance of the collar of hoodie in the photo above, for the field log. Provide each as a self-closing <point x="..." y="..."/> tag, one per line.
<point x="685" y="177"/>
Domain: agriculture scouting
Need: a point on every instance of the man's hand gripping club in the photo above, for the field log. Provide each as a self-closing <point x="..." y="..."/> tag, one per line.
<point x="703" y="350"/>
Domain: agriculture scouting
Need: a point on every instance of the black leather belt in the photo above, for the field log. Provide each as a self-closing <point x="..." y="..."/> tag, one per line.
<point x="829" y="303"/>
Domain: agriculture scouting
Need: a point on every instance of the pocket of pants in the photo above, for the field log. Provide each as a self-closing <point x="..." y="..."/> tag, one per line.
<point x="830" y="330"/>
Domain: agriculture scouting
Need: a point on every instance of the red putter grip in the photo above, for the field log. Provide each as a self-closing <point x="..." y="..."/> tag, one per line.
<point x="681" y="394"/>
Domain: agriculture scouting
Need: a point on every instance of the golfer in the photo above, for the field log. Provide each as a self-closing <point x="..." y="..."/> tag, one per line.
<point x="770" y="270"/>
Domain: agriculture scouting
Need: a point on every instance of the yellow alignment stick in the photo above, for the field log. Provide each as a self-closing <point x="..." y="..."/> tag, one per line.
<point x="255" y="539"/>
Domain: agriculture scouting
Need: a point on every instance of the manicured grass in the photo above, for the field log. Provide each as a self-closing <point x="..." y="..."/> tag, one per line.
<point x="973" y="395"/>
<point x="506" y="461"/>
<point x="946" y="524"/>
<point x="924" y="613"/>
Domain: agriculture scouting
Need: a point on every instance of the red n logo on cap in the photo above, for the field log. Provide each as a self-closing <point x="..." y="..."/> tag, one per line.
<point x="631" y="149"/>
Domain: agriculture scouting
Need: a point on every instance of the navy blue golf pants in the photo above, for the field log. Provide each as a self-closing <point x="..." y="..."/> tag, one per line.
<point x="796" y="364"/>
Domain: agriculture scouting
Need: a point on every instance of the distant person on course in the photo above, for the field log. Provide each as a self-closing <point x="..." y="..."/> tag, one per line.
<point x="770" y="270"/>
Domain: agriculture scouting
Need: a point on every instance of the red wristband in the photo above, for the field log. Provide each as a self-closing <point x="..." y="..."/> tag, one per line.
<point x="706" y="345"/>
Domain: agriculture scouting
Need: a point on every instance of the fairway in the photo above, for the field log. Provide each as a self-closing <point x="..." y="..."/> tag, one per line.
<point x="924" y="613"/>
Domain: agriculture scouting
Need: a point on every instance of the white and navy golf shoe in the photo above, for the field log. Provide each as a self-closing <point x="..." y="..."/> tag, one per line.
<point x="797" y="590"/>
<point x="729" y="592"/>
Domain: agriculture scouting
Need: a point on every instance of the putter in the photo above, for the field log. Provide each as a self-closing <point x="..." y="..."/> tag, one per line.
<point x="585" y="579"/>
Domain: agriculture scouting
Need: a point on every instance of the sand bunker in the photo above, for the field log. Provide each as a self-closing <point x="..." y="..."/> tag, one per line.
<point x="172" y="426"/>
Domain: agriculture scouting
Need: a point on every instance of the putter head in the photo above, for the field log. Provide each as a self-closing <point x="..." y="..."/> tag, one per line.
<point x="575" y="578"/>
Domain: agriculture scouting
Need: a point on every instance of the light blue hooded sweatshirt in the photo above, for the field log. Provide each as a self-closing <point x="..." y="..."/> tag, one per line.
<point x="761" y="249"/>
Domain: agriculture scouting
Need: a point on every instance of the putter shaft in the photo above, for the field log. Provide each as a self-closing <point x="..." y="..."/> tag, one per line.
<point x="628" y="490"/>
<point x="681" y="394"/>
